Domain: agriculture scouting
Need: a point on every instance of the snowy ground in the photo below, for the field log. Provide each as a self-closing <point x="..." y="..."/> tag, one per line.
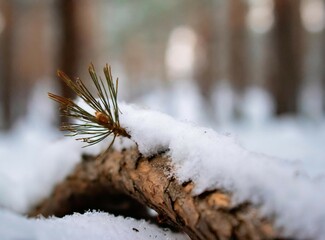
<point x="90" y="225"/>
<point x="33" y="157"/>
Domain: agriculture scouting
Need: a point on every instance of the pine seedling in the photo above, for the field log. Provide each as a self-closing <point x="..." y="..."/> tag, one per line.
<point x="92" y="128"/>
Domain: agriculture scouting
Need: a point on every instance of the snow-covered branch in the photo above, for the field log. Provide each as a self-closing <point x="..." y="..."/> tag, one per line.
<point x="210" y="215"/>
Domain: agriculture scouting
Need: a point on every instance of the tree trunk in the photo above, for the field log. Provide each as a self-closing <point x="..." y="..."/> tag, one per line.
<point x="206" y="68"/>
<point x="207" y="216"/>
<point x="70" y="55"/>
<point x="287" y="63"/>
<point x="209" y="24"/>
<point x="6" y="39"/>
<point x="77" y="46"/>
<point x="238" y="56"/>
<point x="323" y="70"/>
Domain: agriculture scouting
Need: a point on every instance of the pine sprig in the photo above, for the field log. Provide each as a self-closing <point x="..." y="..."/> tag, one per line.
<point x="92" y="128"/>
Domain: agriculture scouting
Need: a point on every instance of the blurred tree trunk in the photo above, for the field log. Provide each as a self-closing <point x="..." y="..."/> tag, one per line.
<point x="31" y="52"/>
<point x="323" y="62"/>
<point x="238" y="56"/>
<point x="70" y="53"/>
<point x="26" y="55"/>
<point x="207" y="31"/>
<point x="6" y="69"/>
<point x="208" y="24"/>
<point x="287" y="46"/>
<point x="77" y="47"/>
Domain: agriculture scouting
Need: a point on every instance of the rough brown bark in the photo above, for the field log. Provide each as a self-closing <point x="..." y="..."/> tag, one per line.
<point x="207" y="216"/>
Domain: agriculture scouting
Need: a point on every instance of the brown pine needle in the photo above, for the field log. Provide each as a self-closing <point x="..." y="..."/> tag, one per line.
<point x="104" y="122"/>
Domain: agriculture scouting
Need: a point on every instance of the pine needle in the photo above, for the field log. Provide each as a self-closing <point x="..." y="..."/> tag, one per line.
<point x="92" y="128"/>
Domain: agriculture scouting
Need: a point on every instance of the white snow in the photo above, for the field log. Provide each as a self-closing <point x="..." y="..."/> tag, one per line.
<point x="213" y="160"/>
<point x="34" y="157"/>
<point x="88" y="226"/>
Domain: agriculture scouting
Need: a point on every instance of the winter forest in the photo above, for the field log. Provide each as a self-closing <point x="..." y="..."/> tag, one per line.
<point x="215" y="128"/>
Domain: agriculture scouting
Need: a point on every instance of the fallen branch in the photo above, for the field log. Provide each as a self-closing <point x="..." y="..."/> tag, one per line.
<point x="207" y="216"/>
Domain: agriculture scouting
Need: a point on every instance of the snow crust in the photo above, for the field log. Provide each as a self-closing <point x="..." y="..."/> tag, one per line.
<point x="88" y="226"/>
<point x="213" y="160"/>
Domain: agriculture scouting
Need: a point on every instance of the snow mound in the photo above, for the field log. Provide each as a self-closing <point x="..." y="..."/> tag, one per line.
<point x="213" y="160"/>
<point x="90" y="225"/>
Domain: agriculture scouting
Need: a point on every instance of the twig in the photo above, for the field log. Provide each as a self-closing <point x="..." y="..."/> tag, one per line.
<point x="92" y="128"/>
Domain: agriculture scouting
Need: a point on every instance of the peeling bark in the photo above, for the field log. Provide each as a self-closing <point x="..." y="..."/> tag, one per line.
<point x="148" y="180"/>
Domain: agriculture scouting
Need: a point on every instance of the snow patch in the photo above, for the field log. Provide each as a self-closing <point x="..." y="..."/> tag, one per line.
<point x="34" y="156"/>
<point x="90" y="225"/>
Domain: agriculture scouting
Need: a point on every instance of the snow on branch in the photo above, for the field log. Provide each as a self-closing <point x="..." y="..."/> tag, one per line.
<point x="217" y="161"/>
<point x="200" y="155"/>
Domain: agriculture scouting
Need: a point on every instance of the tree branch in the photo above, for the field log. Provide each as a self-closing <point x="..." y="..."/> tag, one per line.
<point x="207" y="216"/>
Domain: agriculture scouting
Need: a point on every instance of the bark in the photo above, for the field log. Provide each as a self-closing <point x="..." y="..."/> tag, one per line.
<point x="6" y="69"/>
<point x="322" y="64"/>
<point x="288" y="53"/>
<point x="78" y="33"/>
<point x="206" y="66"/>
<point x="148" y="180"/>
<point x="71" y="41"/>
<point x="238" y="56"/>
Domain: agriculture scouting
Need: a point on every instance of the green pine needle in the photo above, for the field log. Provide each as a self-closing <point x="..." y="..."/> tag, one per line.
<point x="92" y="128"/>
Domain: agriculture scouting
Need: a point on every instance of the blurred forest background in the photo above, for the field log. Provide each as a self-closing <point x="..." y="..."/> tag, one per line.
<point x="215" y="55"/>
